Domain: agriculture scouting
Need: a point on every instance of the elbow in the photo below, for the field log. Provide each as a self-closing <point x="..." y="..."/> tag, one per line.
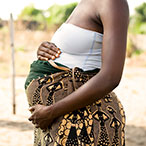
<point x="111" y="78"/>
<point x="113" y="82"/>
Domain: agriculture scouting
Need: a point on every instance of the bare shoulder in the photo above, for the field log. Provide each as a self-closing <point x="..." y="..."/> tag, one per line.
<point x="112" y="13"/>
<point x="109" y="8"/>
<point x="120" y="4"/>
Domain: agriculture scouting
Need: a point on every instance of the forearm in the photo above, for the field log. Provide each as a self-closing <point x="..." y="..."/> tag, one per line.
<point x="96" y="88"/>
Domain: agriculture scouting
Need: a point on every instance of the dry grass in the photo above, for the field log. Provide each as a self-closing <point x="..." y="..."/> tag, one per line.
<point x="26" y="44"/>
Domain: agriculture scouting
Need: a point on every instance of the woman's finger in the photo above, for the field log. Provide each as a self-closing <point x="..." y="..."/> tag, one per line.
<point x="45" y="43"/>
<point x="51" y="46"/>
<point x="30" y="118"/>
<point x="31" y="109"/>
<point x="33" y="122"/>
<point x="54" y="51"/>
<point x="42" y="126"/>
<point x="46" y="55"/>
<point x="36" y="125"/>
<point x="49" y="51"/>
<point x="43" y="58"/>
<point x="54" y="44"/>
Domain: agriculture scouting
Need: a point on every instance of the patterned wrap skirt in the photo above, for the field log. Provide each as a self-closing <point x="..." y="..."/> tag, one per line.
<point x="99" y="124"/>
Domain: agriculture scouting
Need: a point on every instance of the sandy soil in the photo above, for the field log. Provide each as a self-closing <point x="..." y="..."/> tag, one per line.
<point x="132" y="93"/>
<point x="15" y="130"/>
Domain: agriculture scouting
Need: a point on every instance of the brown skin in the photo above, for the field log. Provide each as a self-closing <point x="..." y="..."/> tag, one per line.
<point x="112" y="18"/>
<point x="48" y="50"/>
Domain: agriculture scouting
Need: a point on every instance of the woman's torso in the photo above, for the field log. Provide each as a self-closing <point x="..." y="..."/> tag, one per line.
<point x="80" y="38"/>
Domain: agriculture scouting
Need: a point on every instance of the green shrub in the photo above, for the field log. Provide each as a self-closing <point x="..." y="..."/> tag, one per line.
<point x="138" y="20"/>
<point x="142" y="28"/>
<point x="59" y="13"/>
<point x="30" y="13"/>
<point x="132" y="50"/>
<point x="129" y="47"/>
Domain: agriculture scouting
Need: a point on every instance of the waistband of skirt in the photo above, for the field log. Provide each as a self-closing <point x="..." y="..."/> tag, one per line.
<point x="41" y="68"/>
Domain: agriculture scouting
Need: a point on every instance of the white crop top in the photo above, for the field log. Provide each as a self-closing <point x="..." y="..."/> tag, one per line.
<point x="80" y="47"/>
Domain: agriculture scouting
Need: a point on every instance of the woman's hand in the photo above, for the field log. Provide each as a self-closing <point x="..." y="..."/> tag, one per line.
<point x="42" y="116"/>
<point x="47" y="51"/>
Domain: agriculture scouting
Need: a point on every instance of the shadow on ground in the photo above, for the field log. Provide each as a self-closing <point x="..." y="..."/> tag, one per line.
<point x="135" y="136"/>
<point x="21" y="126"/>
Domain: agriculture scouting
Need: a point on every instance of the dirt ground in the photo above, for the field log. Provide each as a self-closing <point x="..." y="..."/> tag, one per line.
<point x="16" y="130"/>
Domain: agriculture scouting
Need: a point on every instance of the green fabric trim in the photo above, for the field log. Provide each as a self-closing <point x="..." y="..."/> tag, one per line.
<point x="40" y="68"/>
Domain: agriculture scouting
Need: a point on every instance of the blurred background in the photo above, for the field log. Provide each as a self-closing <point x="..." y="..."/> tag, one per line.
<point x="35" y="21"/>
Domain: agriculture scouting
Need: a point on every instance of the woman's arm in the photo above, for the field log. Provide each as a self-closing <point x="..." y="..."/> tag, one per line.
<point x="114" y="15"/>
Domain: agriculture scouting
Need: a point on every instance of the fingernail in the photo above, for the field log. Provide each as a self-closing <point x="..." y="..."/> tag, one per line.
<point x="29" y="108"/>
<point x="59" y="51"/>
<point x="53" y="57"/>
<point x="57" y="55"/>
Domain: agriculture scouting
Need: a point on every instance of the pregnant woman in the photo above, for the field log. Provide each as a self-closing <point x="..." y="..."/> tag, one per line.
<point x="69" y="89"/>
